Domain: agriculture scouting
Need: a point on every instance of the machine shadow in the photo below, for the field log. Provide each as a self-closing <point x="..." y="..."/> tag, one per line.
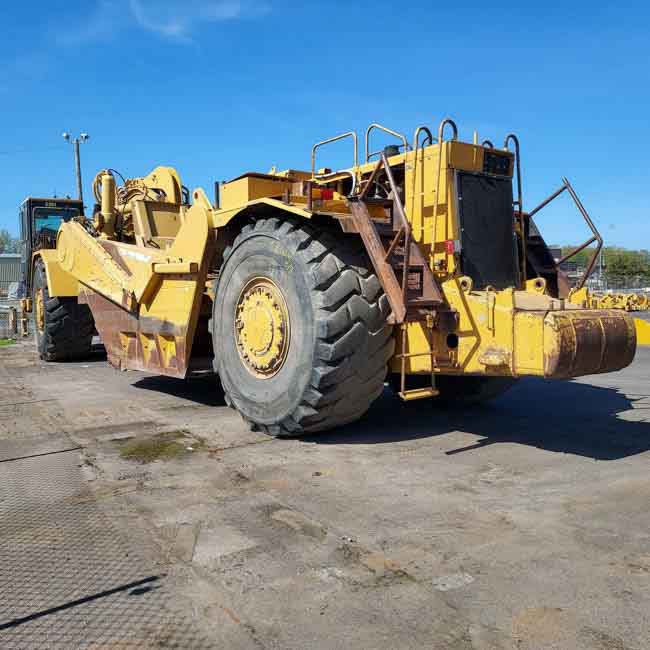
<point x="561" y="416"/>
<point x="205" y="390"/>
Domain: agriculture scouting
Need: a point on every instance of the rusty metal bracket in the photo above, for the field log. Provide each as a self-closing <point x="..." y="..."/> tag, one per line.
<point x="566" y="186"/>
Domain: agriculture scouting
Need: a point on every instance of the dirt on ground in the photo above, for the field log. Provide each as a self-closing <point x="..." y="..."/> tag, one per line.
<point x="523" y="524"/>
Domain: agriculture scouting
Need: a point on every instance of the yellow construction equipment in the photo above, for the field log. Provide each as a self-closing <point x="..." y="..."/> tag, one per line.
<point x="596" y="300"/>
<point x="306" y="289"/>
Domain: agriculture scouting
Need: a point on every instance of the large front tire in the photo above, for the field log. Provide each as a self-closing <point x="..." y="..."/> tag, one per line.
<point x="63" y="328"/>
<point x="299" y="329"/>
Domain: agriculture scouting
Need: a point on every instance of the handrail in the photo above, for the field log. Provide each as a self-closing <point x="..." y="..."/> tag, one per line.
<point x="375" y="125"/>
<point x="434" y="221"/>
<point x="585" y="215"/>
<point x="416" y="136"/>
<point x="487" y="144"/>
<point x="416" y="147"/>
<point x="512" y="137"/>
<point x="348" y="134"/>
<point x="441" y="129"/>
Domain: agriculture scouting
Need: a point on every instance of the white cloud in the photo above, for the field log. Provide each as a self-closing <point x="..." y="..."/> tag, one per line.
<point x="177" y="19"/>
<point x="171" y="19"/>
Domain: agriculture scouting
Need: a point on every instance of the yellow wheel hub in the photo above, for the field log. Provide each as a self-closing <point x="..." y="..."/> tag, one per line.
<point x="262" y="328"/>
<point x="39" y="310"/>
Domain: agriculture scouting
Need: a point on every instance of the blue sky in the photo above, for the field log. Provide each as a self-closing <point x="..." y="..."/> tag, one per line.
<point x="219" y="87"/>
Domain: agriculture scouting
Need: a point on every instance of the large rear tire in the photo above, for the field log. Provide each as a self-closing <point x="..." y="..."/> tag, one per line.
<point x="63" y="328"/>
<point x="299" y="329"/>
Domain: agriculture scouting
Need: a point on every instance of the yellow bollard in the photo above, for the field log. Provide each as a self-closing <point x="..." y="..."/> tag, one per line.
<point x="642" y="331"/>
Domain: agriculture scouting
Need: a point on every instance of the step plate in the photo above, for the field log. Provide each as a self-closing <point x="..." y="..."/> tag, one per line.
<point x="418" y="393"/>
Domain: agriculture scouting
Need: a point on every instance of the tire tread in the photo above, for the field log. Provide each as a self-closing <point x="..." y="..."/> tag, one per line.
<point x="353" y="339"/>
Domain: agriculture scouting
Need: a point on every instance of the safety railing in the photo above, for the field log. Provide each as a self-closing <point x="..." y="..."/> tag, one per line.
<point x="336" y="138"/>
<point x="596" y="237"/>
<point x="511" y="137"/>
<point x="441" y="135"/>
<point x="385" y="129"/>
<point x="416" y="137"/>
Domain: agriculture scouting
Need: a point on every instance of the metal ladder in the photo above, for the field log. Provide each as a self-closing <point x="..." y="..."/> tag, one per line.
<point x="412" y="299"/>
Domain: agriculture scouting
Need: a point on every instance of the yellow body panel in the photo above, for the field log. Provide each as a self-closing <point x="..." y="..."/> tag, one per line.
<point x="516" y="333"/>
<point x="147" y="295"/>
<point x="240" y="191"/>
<point x="60" y="284"/>
<point x="145" y="301"/>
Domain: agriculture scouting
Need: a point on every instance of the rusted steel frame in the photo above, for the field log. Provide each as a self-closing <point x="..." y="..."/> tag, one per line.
<point x="364" y="192"/>
<point x="399" y="209"/>
<point x="430" y="289"/>
<point x="386" y="130"/>
<point x="397" y="296"/>
<point x="376" y="252"/>
<point x="546" y="201"/>
<point x="585" y="215"/>
<point x="597" y="237"/>
<point x="349" y="134"/>
<point x="520" y="201"/>
<point x="577" y="250"/>
<point x="394" y="243"/>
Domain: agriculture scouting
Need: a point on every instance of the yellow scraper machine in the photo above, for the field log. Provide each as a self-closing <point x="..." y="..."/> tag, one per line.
<point x="306" y="290"/>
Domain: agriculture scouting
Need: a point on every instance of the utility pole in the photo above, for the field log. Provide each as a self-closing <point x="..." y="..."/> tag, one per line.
<point x="75" y="142"/>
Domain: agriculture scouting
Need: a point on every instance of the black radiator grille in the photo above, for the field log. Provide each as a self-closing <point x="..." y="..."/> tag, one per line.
<point x="488" y="244"/>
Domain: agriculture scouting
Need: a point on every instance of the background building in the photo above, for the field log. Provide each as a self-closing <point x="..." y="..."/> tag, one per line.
<point x="10" y="271"/>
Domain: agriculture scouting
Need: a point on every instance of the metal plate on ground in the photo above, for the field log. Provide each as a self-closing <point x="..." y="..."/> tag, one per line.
<point x="70" y="579"/>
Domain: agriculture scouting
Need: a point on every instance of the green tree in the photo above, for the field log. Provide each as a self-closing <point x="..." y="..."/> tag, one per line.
<point x="620" y="265"/>
<point x="7" y="243"/>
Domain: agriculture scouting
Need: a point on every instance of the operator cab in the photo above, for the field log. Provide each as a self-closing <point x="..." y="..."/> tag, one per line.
<point x="39" y="224"/>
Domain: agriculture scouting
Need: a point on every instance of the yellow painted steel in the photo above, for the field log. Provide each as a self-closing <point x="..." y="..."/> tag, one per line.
<point x="262" y="328"/>
<point x="39" y="310"/>
<point x="60" y="284"/>
<point x="155" y="250"/>
<point x="419" y="393"/>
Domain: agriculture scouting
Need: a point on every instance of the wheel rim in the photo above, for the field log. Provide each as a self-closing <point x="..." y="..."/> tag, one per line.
<point x="262" y="328"/>
<point x="39" y="310"/>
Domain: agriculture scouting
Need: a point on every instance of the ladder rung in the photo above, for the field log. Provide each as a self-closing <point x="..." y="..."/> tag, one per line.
<point x="418" y="393"/>
<point x="420" y="302"/>
<point x="413" y="266"/>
